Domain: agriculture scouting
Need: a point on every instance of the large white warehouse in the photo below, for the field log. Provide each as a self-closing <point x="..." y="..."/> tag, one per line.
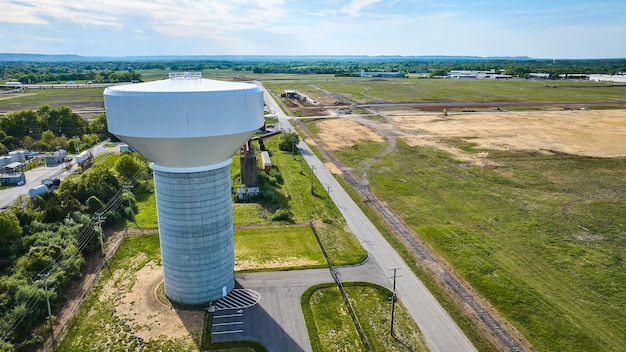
<point x="190" y="127"/>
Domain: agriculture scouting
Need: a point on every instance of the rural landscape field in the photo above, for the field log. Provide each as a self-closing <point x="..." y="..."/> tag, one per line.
<point x="515" y="186"/>
<point x="525" y="204"/>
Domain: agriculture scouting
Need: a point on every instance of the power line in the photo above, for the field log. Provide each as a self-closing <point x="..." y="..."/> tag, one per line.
<point x="84" y="237"/>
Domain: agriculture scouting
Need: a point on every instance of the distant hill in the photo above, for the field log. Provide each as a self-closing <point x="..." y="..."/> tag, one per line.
<point x="41" y="57"/>
<point x="71" y="57"/>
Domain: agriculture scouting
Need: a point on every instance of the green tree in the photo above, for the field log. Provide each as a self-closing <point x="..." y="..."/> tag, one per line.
<point x="127" y="166"/>
<point x="101" y="182"/>
<point x="71" y="145"/>
<point x="288" y="141"/>
<point x="99" y="126"/>
<point x="47" y="137"/>
<point x="94" y="204"/>
<point x="10" y="233"/>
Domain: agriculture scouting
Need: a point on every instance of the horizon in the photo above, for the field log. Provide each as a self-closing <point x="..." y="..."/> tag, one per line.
<point x="6" y="56"/>
<point x="562" y="30"/>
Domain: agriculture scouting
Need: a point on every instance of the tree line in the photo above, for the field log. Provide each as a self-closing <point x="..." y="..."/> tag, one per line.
<point x="48" y="236"/>
<point x="47" y="129"/>
<point x="126" y="71"/>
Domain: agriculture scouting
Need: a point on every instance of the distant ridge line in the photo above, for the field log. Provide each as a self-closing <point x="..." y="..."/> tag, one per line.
<point x="73" y="57"/>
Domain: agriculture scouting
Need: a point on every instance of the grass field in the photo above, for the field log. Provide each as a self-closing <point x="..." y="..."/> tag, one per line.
<point x="96" y="325"/>
<point x="541" y="237"/>
<point x="356" y="90"/>
<point x="364" y="90"/>
<point x="331" y="328"/>
<point x="104" y="306"/>
<point x="74" y="98"/>
<point x="101" y="323"/>
<point x="284" y="247"/>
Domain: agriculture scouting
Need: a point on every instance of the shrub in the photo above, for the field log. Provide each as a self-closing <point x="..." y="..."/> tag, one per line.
<point x="289" y="141"/>
<point x="283" y="215"/>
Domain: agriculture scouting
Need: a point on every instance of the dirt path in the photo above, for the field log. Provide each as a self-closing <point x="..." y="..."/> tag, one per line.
<point x="95" y="263"/>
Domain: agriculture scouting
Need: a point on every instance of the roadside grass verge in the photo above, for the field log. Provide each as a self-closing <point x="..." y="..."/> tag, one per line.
<point x="327" y="320"/>
<point x="278" y="248"/>
<point x="373" y="308"/>
<point x="541" y="237"/>
<point x="331" y="328"/>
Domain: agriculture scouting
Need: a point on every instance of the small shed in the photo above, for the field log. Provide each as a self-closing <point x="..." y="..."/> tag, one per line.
<point x="13" y="179"/>
<point x="246" y="193"/>
<point x="267" y="162"/>
<point x="12" y="167"/>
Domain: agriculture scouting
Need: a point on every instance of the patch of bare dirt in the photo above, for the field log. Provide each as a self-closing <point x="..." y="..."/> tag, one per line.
<point x="337" y="134"/>
<point x="140" y="307"/>
<point x="594" y="133"/>
<point x="288" y="262"/>
<point x="333" y="168"/>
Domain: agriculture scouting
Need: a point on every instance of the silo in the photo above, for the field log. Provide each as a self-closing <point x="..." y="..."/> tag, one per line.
<point x="189" y="127"/>
<point x="18" y="156"/>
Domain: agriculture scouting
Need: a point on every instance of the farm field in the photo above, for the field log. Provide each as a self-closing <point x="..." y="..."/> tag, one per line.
<point x="327" y="89"/>
<point x="368" y="90"/>
<point x="77" y="99"/>
<point x="527" y="207"/>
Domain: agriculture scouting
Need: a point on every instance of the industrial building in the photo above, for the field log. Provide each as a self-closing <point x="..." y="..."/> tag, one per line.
<point x="11" y="168"/>
<point x="12" y="179"/>
<point x="469" y="74"/>
<point x="364" y="73"/>
<point x="56" y="158"/>
<point x="190" y="127"/>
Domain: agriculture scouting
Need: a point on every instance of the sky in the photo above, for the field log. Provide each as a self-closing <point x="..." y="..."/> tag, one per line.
<point x="559" y="29"/>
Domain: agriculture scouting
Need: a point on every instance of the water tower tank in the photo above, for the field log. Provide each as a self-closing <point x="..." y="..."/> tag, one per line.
<point x="189" y="127"/>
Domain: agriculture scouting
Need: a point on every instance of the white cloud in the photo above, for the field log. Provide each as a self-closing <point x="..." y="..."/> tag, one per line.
<point x="354" y="7"/>
<point x="293" y="27"/>
<point x="180" y="18"/>
<point x="20" y="13"/>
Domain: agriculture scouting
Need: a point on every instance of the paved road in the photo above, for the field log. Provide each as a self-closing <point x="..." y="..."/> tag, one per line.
<point x="33" y="179"/>
<point x="277" y="321"/>
<point x="440" y="331"/>
<point x="35" y="176"/>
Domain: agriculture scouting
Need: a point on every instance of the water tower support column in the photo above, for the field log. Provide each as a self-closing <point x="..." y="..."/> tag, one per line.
<point x="196" y="232"/>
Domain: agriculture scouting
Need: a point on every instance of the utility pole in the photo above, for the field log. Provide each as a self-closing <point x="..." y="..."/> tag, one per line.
<point x="328" y="197"/>
<point x="127" y="186"/>
<point x="99" y="219"/>
<point x="312" y="179"/>
<point x="393" y="301"/>
<point x="45" y="286"/>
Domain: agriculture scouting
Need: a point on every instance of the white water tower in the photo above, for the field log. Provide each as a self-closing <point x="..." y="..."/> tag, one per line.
<point x="190" y="127"/>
